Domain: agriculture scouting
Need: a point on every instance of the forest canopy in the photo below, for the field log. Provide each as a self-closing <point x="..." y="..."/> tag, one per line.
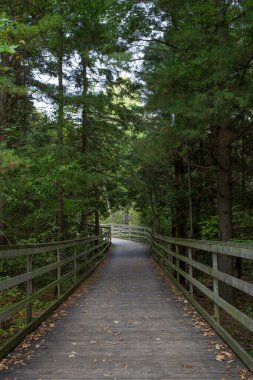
<point x="110" y="108"/>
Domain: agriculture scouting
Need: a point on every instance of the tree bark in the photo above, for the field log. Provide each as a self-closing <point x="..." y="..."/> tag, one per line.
<point x="60" y="121"/>
<point x="84" y="142"/>
<point x="155" y="216"/>
<point x="97" y="232"/>
<point x="190" y="233"/>
<point x="3" y="101"/>
<point x="224" y="188"/>
<point x="59" y="213"/>
<point x="179" y="224"/>
<point x="179" y="220"/>
<point x="2" y="238"/>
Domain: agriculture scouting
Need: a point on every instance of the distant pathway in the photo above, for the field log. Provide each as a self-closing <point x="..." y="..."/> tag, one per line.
<point x="127" y="326"/>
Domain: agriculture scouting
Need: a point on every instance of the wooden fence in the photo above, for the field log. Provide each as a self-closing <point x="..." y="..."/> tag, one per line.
<point x="190" y="259"/>
<point x="56" y="268"/>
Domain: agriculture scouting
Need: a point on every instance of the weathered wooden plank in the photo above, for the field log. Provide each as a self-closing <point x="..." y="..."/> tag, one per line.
<point x="232" y="249"/>
<point x="125" y="326"/>
<point x="237" y="283"/>
<point x="7" y="252"/>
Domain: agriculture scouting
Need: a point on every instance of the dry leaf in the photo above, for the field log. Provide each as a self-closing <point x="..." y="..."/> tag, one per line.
<point x="220" y="357"/>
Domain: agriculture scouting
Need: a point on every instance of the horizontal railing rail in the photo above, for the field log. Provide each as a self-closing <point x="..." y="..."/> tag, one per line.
<point x="185" y="265"/>
<point x="65" y="264"/>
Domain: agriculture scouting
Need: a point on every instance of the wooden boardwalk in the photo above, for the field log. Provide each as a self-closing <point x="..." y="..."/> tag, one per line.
<point x="126" y="326"/>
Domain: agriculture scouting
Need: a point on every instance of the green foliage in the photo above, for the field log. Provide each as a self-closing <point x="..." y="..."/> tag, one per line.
<point x="5" y="27"/>
<point x="209" y="228"/>
<point x="10" y="296"/>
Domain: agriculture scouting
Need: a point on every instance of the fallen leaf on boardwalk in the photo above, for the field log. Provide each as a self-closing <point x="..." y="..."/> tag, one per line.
<point x="188" y="366"/>
<point x="108" y="374"/>
<point x="71" y="356"/>
<point x="116" y="322"/>
<point x="93" y="342"/>
<point x="3" y="365"/>
<point x="220" y="357"/>
<point x="74" y="343"/>
<point x="228" y="354"/>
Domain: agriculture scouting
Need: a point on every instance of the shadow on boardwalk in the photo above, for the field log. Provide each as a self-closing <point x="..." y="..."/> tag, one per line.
<point x="126" y="326"/>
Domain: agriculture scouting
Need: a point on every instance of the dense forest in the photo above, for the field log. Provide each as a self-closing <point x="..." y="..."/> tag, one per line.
<point x="133" y="112"/>
<point x="141" y="108"/>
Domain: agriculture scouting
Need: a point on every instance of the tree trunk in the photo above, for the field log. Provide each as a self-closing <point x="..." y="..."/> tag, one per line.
<point x="108" y="205"/>
<point x="3" y="100"/>
<point x="84" y="110"/>
<point x="190" y="233"/>
<point x="180" y="212"/>
<point x="97" y="232"/>
<point x="85" y="223"/>
<point x="224" y="188"/>
<point x="60" y="121"/>
<point x="179" y="220"/>
<point x="2" y="238"/>
<point x="84" y="142"/>
<point x="59" y="208"/>
<point x="155" y="216"/>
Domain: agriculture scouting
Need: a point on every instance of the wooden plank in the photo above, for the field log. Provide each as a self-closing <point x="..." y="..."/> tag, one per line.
<point x="6" y="253"/>
<point x="237" y="283"/>
<point x="126" y="325"/>
<point x="29" y="289"/>
<point x="232" y="249"/>
<point x="17" y="280"/>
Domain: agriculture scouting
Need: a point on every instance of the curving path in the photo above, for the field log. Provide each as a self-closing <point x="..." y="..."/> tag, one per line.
<point x="127" y="326"/>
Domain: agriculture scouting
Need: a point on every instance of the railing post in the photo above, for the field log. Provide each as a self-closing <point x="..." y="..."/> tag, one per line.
<point x="177" y="263"/>
<point x="75" y="266"/>
<point x="29" y="288"/>
<point x="58" y="273"/>
<point x="111" y="230"/>
<point x="190" y="270"/>
<point x="215" y="286"/>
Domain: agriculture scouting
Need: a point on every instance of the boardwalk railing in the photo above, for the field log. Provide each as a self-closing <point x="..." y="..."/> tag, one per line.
<point x="52" y="269"/>
<point x="193" y="266"/>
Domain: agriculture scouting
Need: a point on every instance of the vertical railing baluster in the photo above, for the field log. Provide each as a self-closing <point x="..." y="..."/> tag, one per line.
<point x="190" y="270"/>
<point x="58" y="273"/>
<point x="29" y="288"/>
<point x="170" y="258"/>
<point x="75" y="266"/>
<point x="177" y="263"/>
<point x="215" y="286"/>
